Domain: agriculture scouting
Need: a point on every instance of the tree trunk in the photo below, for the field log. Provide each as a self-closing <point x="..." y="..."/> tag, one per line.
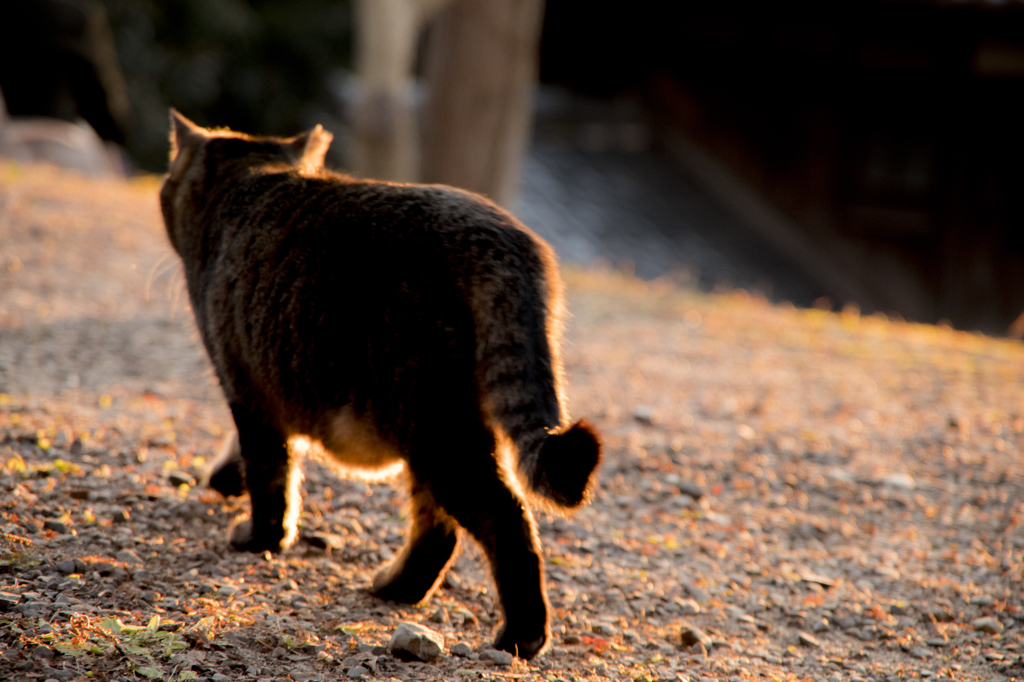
<point x="481" y="67"/>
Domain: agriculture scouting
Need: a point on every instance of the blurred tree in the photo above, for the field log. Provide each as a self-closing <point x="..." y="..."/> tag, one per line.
<point x="263" y="66"/>
<point x="481" y="68"/>
<point x="386" y="141"/>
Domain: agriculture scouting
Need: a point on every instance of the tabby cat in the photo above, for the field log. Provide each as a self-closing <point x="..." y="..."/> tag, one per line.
<point x="388" y="324"/>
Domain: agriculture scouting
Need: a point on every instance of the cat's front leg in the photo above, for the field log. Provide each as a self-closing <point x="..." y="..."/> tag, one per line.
<point x="273" y="480"/>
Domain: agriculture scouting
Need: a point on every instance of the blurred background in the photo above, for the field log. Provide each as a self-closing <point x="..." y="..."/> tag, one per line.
<point x="851" y="152"/>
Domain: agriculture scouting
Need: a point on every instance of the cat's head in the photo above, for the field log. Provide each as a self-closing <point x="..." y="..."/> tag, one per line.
<point x="304" y="152"/>
<point x="202" y="158"/>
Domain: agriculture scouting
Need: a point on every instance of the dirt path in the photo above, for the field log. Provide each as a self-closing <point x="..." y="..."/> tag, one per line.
<point x="801" y="495"/>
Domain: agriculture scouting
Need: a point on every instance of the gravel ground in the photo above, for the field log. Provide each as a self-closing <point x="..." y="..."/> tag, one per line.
<point x="787" y="494"/>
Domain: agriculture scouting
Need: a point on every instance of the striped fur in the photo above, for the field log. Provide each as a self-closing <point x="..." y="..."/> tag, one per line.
<point x="386" y="324"/>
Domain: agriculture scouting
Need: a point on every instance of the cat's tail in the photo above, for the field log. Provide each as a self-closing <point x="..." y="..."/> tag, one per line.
<point x="561" y="468"/>
<point x="519" y="309"/>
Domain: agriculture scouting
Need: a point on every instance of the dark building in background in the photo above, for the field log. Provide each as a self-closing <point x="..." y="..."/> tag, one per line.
<point x="888" y="134"/>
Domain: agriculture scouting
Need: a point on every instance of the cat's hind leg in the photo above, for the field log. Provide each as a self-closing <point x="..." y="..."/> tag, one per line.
<point x="273" y="479"/>
<point x="433" y="539"/>
<point x="468" y="484"/>
<point x="227" y="473"/>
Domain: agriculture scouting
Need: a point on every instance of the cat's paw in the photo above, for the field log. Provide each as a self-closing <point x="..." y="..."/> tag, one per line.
<point x="392" y="585"/>
<point x="229" y="480"/>
<point x="520" y="646"/>
<point x="227" y="473"/>
<point x="244" y="540"/>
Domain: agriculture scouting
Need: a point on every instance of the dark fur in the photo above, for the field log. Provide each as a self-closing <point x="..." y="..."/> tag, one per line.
<point x="388" y="323"/>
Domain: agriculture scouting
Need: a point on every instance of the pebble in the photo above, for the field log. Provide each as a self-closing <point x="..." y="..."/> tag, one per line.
<point x="127" y="556"/>
<point x="988" y="624"/>
<point x="56" y="526"/>
<point x="807" y="639"/>
<point x="462" y="650"/>
<point x="412" y="641"/>
<point x="227" y="591"/>
<point x="644" y="414"/>
<point x="603" y="629"/>
<point x="572" y="640"/>
<point x="691" y="635"/>
<point x="356" y="672"/>
<point x="326" y="540"/>
<point x="66" y="566"/>
<point x="688" y="607"/>
<point x="497" y="657"/>
<point x="179" y="478"/>
<point x="691" y="489"/>
<point x="899" y="482"/>
<point x="220" y="677"/>
<point x="42" y="651"/>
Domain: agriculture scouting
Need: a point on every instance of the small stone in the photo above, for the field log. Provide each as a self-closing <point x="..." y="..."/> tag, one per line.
<point x="413" y="641"/>
<point x="326" y="540"/>
<point x="899" y="482"/>
<point x="66" y="566"/>
<point x="462" y="650"/>
<point x="812" y="577"/>
<point x="935" y="641"/>
<point x="698" y="594"/>
<point x="355" y="672"/>
<point x="688" y="607"/>
<point x="644" y="414"/>
<point x="820" y="625"/>
<point x="982" y="600"/>
<point x="127" y="556"/>
<point x="988" y="624"/>
<point x="572" y="640"/>
<point x="227" y="591"/>
<point x="691" y="635"/>
<point x="603" y="629"/>
<point x="920" y="652"/>
<point x="178" y="478"/>
<point x="42" y="652"/>
<point x="807" y="639"/>
<point x="691" y="489"/>
<point x="103" y="568"/>
<point x="123" y="516"/>
<point x="8" y="600"/>
<point x="220" y="677"/>
<point x="496" y="657"/>
<point x="56" y="526"/>
<point x="279" y="652"/>
<point x="440" y="616"/>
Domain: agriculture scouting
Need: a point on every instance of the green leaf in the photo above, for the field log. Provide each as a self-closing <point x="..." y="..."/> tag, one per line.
<point x="151" y="672"/>
<point x="113" y="625"/>
<point x="70" y="649"/>
<point x="138" y="650"/>
<point x="187" y="675"/>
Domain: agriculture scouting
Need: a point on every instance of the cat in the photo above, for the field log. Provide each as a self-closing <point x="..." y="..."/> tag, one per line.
<point x="390" y="324"/>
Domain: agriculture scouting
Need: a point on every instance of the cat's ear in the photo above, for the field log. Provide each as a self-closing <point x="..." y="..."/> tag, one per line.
<point x="309" y="149"/>
<point x="183" y="133"/>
